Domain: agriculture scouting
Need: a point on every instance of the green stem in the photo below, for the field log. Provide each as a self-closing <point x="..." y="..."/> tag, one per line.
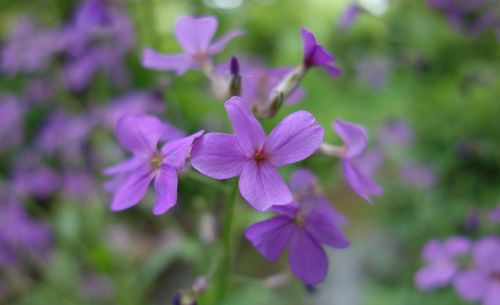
<point x="222" y="276"/>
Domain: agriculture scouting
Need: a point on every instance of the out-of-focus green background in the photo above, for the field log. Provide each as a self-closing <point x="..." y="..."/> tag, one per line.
<point x="441" y="82"/>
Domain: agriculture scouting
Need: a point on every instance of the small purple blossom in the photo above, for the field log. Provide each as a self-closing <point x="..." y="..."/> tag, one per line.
<point x="32" y="178"/>
<point x="20" y="235"/>
<point x="349" y="16"/>
<point x="441" y="262"/>
<point x="140" y="135"/>
<point x="11" y="124"/>
<point x="97" y="39"/>
<point x="482" y="283"/>
<point x="29" y="48"/>
<point x="418" y="175"/>
<point x="136" y="102"/>
<point x="253" y="156"/>
<point x="373" y="71"/>
<point x="304" y="226"/>
<point x="395" y="133"/>
<point x="315" y="55"/>
<point x="195" y="35"/>
<point x="494" y="214"/>
<point x="358" y="175"/>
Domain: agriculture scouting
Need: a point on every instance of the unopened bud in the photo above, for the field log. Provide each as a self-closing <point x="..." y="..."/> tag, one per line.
<point x="280" y="93"/>
<point x="235" y="82"/>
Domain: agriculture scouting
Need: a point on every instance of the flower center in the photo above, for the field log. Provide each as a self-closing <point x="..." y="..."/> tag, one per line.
<point x="496" y="276"/>
<point x="299" y="219"/>
<point x="156" y="160"/>
<point x="259" y="156"/>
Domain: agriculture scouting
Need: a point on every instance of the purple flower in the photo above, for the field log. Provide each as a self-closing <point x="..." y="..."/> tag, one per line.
<point x="316" y="55"/>
<point x="140" y="135"/>
<point x="304" y="186"/>
<point x="494" y="214"/>
<point x="373" y="71"/>
<point x="349" y="16"/>
<point x="20" y="235"/>
<point x="29" y="48"/>
<point x="304" y="226"/>
<point x="195" y="35"/>
<point x="253" y="156"/>
<point x="69" y="144"/>
<point x="78" y="185"/>
<point x="11" y="125"/>
<point x="32" y="178"/>
<point x="418" y="175"/>
<point x="137" y="102"/>
<point x="482" y="283"/>
<point x="96" y="40"/>
<point x="395" y="133"/>
<point x="441" y="265"/>
<point x="356" y="172"/>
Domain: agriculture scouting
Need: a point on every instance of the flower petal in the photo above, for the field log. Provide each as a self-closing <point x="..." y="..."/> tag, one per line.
<point x="247" y="129"/>
<point x="125" y="166"/>
<point x="179" y="63"/>
<point x="270" y="236"/>
<point x="354" y="137"/>
<point x="262" y="186"/>
<point x="295" y="138"/>
<point x="194" y="34"/>
<point x="492" y="296"/>
<point x="218" y="155"/>
<point x="175" y="151"/>
<point x="324" y="229"/>
<point x="131" y="191"/>
<point x="457" y="245"/>
<point x="308" y="42"/>
<point x="332" y="70"/>
<point x="435" y="275"/>
<point x="221" y="43"/>
<point x="321" y="205"/>
<point x="139" y="133"/>
<point x="360" y="183"/>
<point x="471" y="285"/>
<point x="303" y="182"/>
<point x="307" y="258"/>
<point x="486" y="253"/>
<point x="166" y="189"/>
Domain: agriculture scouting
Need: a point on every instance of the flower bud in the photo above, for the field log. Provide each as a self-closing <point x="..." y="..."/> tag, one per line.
<point x="235" y="82"/>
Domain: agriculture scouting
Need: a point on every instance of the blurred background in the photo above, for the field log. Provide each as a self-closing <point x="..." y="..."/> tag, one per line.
<point x="422" y="76"/>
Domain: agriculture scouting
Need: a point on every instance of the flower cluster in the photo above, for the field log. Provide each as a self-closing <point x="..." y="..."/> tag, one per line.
<point x="472" y="17"/>
<point x="306" y="219"/>
<point x="471" y="267"/>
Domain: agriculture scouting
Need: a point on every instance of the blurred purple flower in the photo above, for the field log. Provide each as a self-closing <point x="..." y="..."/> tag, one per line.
<point x="472" y="17"/>
<point x="20" y="235"/>
<point x="37" y="181"/>
<point x="358" y="174"/>
<point x="374" y="71"/>
<point x="140" y="135"/>
<point x="97" y="40"/>
<point x="195" y="35"/>
<point x="418" y="175"/>
<point x="253" y="156"/>
<point x="137" y="102"/>
<point x="395" y="133"/>
<point x="482" y="283"/>
<point x="349" y="16"/>
<point x="304" y="186"/>
<point x="304" y="226"/>
<point x="315" y="55"/>
<point x="441" y="262"/>
<point x="494" y="214"/>
<point x="78" y="185"/>
<point x="29" y="48"/>
<point x="38" y="90"/>
<point x="11" y="124"/>
<point x="69" y="144"/>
